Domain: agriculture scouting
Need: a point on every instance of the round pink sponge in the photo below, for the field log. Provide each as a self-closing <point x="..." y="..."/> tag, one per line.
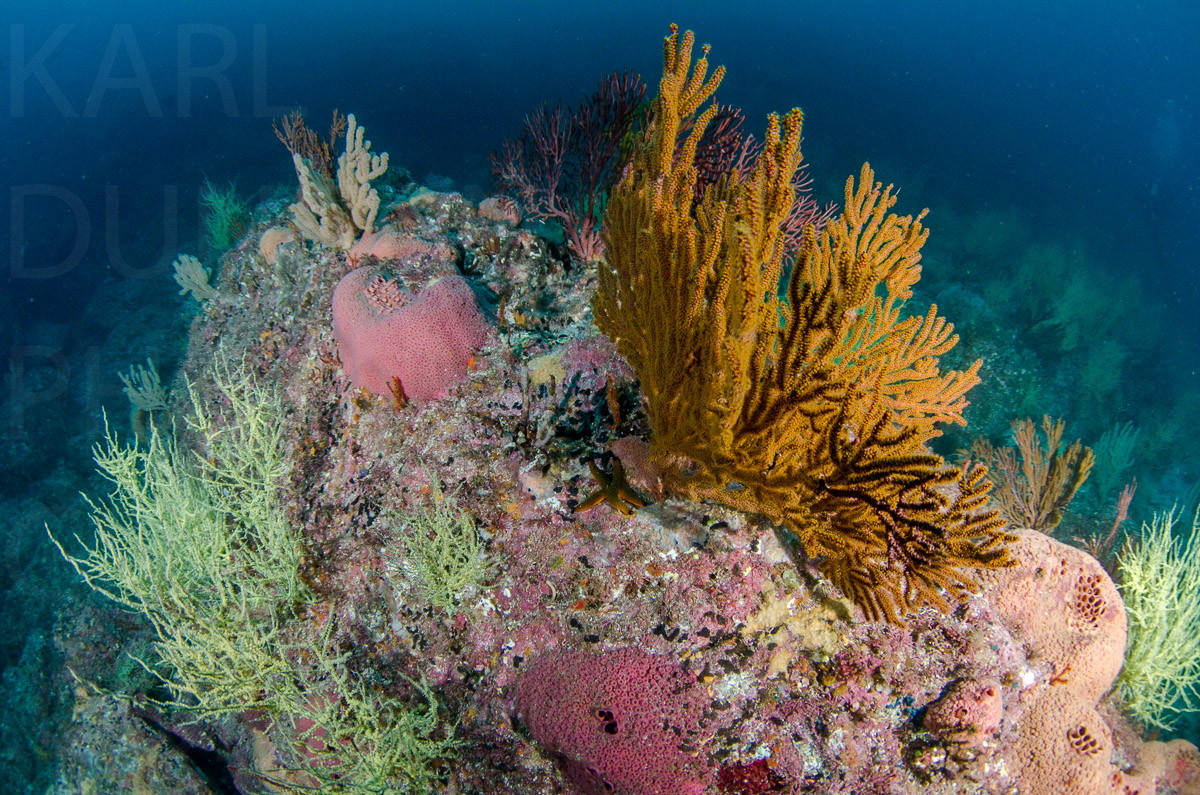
<point x="618" y="722"/>
<point x="425" y="341"/>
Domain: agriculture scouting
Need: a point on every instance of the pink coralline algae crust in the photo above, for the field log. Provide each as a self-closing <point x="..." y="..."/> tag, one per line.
<point x="425" y="342"/>
<point x="617" y="722"/>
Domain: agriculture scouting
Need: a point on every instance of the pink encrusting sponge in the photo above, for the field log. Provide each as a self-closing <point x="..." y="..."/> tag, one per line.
<point x="384" y="333"/>
<point x="621" y="722"/>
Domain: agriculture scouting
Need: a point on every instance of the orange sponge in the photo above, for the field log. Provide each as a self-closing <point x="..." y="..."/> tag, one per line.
<point x="1063" y="608"/>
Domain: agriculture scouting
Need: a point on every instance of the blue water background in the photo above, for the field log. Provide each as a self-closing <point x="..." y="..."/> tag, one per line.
<point x="1081" y="113"/>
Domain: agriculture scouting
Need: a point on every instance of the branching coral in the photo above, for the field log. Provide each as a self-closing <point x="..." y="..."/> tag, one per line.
<point x="192" y="277"/>
<point x="201" y="546"/>
<point x="226" y="215"/>
<point x="144" y="388"/>
<point x="811" y="408"/>
<point x="566" y="160"/>
<point x="1160" y="578"/>
<point x="341" y="735"/>
<point x="332" y="218"/>
<point x="1036" y="480"/>
<point x="443" y="550"/>
<point x="300" y="139"/>
<point x="1114" y="454"/>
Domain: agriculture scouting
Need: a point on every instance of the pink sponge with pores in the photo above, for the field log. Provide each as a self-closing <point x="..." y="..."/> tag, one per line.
<point x="383" y="333"/>
<point x="621" y="722"/>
